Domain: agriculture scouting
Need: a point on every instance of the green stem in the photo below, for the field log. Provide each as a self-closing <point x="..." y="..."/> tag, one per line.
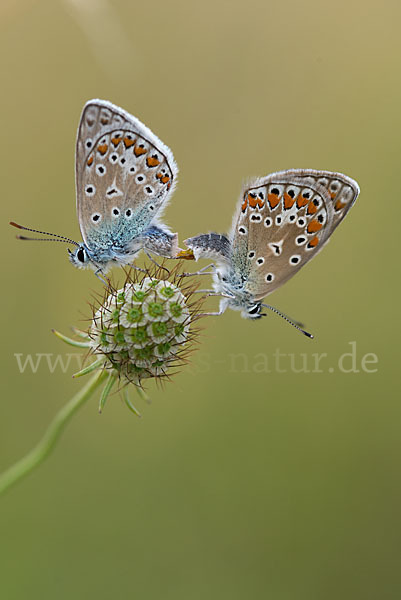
<point x="38" y="454"/>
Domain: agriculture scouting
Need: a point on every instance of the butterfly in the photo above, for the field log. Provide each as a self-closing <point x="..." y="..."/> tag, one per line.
<point x="281" y="222"/>
<point x="124" y="178"/>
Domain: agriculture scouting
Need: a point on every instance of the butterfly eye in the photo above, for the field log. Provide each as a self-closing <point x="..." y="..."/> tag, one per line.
<point x="81" y="255"/>
<point x="254" y="310"/>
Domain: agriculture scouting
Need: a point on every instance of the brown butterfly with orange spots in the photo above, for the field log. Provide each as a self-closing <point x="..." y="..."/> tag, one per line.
<point x="125" y="176"/>
<point x="281" y="222"/>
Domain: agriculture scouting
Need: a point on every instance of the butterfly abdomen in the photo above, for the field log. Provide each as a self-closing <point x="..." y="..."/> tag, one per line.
<point x="210" y="245"/>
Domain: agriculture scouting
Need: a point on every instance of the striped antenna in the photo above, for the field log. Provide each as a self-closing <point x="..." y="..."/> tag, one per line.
<point x="290" y="321"/>
<point x="54" y="236"/>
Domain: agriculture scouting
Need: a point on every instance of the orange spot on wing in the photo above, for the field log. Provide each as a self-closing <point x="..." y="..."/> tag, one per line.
<point x="115" y="141"/>
<point x="128" y="142"/>
<point x="244" y="204"/>
<point x="273" y="200"/>
<point x="159" y="175"/>
<point x="152" y="162"/>
<point x="333" y="195"/>
<point x="261" y="203"/>
<point x="102" y="148"/>
<point x="314" y="242"/>
<point x="314" y="226"/>
<point x="165" y="179"/>
<point x="252" y="201"/>
<point x="311" y="208"/>
<point x="288" y="201"/>
<point x="339" y="205"/>
<point x="302" y="201"/>
<point x="90" y="161"/>
<point x="138" y="151"/>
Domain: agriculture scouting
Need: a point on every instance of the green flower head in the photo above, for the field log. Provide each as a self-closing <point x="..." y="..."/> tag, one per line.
<point x="145" y="327"/>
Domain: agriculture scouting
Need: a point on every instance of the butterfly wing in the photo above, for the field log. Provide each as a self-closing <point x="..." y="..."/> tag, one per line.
<point x="124" y="177"/>
<point x="282" y="221"/>
<point x="343" y="190"/>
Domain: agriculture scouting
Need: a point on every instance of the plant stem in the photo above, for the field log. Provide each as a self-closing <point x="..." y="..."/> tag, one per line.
<point x="38" y="454"/>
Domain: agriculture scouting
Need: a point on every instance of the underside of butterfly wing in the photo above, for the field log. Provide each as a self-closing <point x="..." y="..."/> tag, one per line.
<point x="124" y="177"/>
<point x="343" y="190"/>
<point x="282" y="221"/>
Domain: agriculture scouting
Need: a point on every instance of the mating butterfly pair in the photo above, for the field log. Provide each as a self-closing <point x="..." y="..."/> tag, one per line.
<point x="125" y="176"/>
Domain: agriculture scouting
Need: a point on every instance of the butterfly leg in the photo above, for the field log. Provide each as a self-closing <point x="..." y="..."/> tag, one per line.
<point x="222" y="307"/>
<point x="202" y="271"/>
<point x="213" y="314"/>
<point x="220" y="294"/>
<point x="213" y="293"/>
<point x="100" y="275"/>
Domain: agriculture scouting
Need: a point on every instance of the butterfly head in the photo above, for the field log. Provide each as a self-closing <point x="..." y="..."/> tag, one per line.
<point x="80" y="257"/>
<point x="253" y="311"/>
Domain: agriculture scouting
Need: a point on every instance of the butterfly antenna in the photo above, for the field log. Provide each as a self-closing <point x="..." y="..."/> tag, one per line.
<point x="290" y="321"/>
<point x="59" y="238"/>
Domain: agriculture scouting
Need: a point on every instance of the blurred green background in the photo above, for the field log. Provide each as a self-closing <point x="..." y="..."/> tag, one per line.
<point x="236" y="483"/>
